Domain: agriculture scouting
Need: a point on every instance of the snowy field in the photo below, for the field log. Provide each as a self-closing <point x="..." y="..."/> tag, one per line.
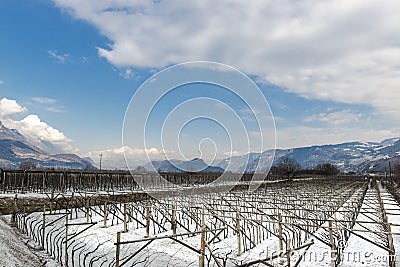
<point x="281" y="223"/>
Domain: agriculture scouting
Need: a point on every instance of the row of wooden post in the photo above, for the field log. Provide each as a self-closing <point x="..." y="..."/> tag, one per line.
<point x="392" y="255"/>
<point x="174" y="229"/>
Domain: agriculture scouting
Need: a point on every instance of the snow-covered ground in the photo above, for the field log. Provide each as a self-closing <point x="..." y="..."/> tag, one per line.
<point x="360" y="252"/>
<point x="393" y="213"/>
<point x="15" y="253"/>
<point x="96" y="246"/>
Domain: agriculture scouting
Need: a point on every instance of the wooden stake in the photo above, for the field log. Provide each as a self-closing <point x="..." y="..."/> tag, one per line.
<point x="392" y="254"/>
<point x="257" y="230"/>
<point x="148" y="211"/>
<point x="125" y="221"/>
<point x="105" y="214"/>
<point x="203" y="240"/>
<point x="44" y="181"/>
<point x="280" y="236"/>
<point x="333" y="249"/>
<point x="43" y="226"/>
<point x="288" y="252"/>
<point x="87" y="210"/>
<point x="117" y="249"/>
<point x="197" y="219"/>
<point x="280" y="233"/>
<point x="14" y="214"/>
<point x="24" y="230"/>
<point x="239" y="243"/>
<point x="66" y="242"/>
<point x="173" y="219"/>
<point x="72" y="200"/>
<point x="3" y="173"/>
<point x="51" y="202"/>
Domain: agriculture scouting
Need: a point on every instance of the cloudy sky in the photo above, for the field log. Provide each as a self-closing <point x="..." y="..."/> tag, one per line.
<point x="330" y="70"/>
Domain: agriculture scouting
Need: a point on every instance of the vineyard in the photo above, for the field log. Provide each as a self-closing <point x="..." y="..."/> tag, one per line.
<point x="306" y="222"/>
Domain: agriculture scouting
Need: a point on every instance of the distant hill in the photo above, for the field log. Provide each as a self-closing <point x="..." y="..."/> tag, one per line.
<point x="380" y="165"/>
<point x="363" y="157"/>
<point x="15" y="148"/>
<point x="358" y="156"/>
<point x="194" y="165"/>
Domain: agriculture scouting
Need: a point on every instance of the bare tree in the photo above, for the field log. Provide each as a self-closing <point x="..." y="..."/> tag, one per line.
<point x="27" y="165"/>
<point x="140" y="169"/>
<point x="396" y="170"/>
<point x="288" y="167"/>
<point x="327" y="169"/>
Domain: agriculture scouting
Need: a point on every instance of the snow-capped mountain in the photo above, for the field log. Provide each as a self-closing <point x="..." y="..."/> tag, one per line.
<point x="358" y="156"/>
<point x="195" y="165"/>
<point x="15" y="148"/>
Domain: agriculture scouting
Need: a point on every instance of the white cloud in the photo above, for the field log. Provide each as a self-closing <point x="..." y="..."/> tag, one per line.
<point x="232" y="153"/>
<point x="128" y="73"/>
<point x="44" y="100"/>
<point x="55" y="109"/>
<point x="342" y="117"/>
<point x="31" y="126"/>
<point x="62" y="58"/>
<point x="134" y="151"/>
<point x="300" y="136"/>
<point x="341" y="50"/>
<point x="9" y="108"/>
<point x="114" y="157"/>
<point x="38" y="131"/>
<point x="48" y="104"/>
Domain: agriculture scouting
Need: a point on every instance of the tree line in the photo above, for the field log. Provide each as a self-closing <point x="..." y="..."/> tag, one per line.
<point x="289" y="167"/>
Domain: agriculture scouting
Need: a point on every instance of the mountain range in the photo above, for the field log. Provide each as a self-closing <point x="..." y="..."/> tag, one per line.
<point x="351" y="156"/>
<point x="361" y="157"/>
<point x="194" y="165"/>
<point x="16" y="148"/>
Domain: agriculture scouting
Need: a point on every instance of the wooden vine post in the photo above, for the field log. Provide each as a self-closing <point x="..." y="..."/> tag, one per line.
<point x="148" y="211"/>
<point x="3" y="174"/>
<point x="280" y="235"/>
<point x="14" y="214"/>
<point x="105" y="214"/>
<point x="51" y="202"/>
<point x="43" y="226"/>
<point x="257" y="230"/>
<point x="288" y="252"/>
<point x="392" y="254"/>
<point x="72" y="205"/>
<point x="125" y="219"/>
<point x="174" y="220"/>
<point x="117" y="251"/>
<point x="43" y="181"/>
<point x="238" y="234"/>
<point x="203" y="240"/>
<point x="87" y="211"/>
<point x="66" y="241"/>
<point x="333" y="248"/>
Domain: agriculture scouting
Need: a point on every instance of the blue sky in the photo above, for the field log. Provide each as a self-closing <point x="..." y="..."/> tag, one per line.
<point x="68" y="69"/>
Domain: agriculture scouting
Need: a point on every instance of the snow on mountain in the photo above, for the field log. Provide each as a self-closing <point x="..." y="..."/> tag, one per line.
<point x="194" y="165"/>
<point x="357" y="156"/>
<point x="15" y="148"/>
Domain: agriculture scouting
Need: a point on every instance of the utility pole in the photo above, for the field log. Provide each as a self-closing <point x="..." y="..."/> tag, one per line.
<point x="101" y="157"/>
<point x="390" y="173"/>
